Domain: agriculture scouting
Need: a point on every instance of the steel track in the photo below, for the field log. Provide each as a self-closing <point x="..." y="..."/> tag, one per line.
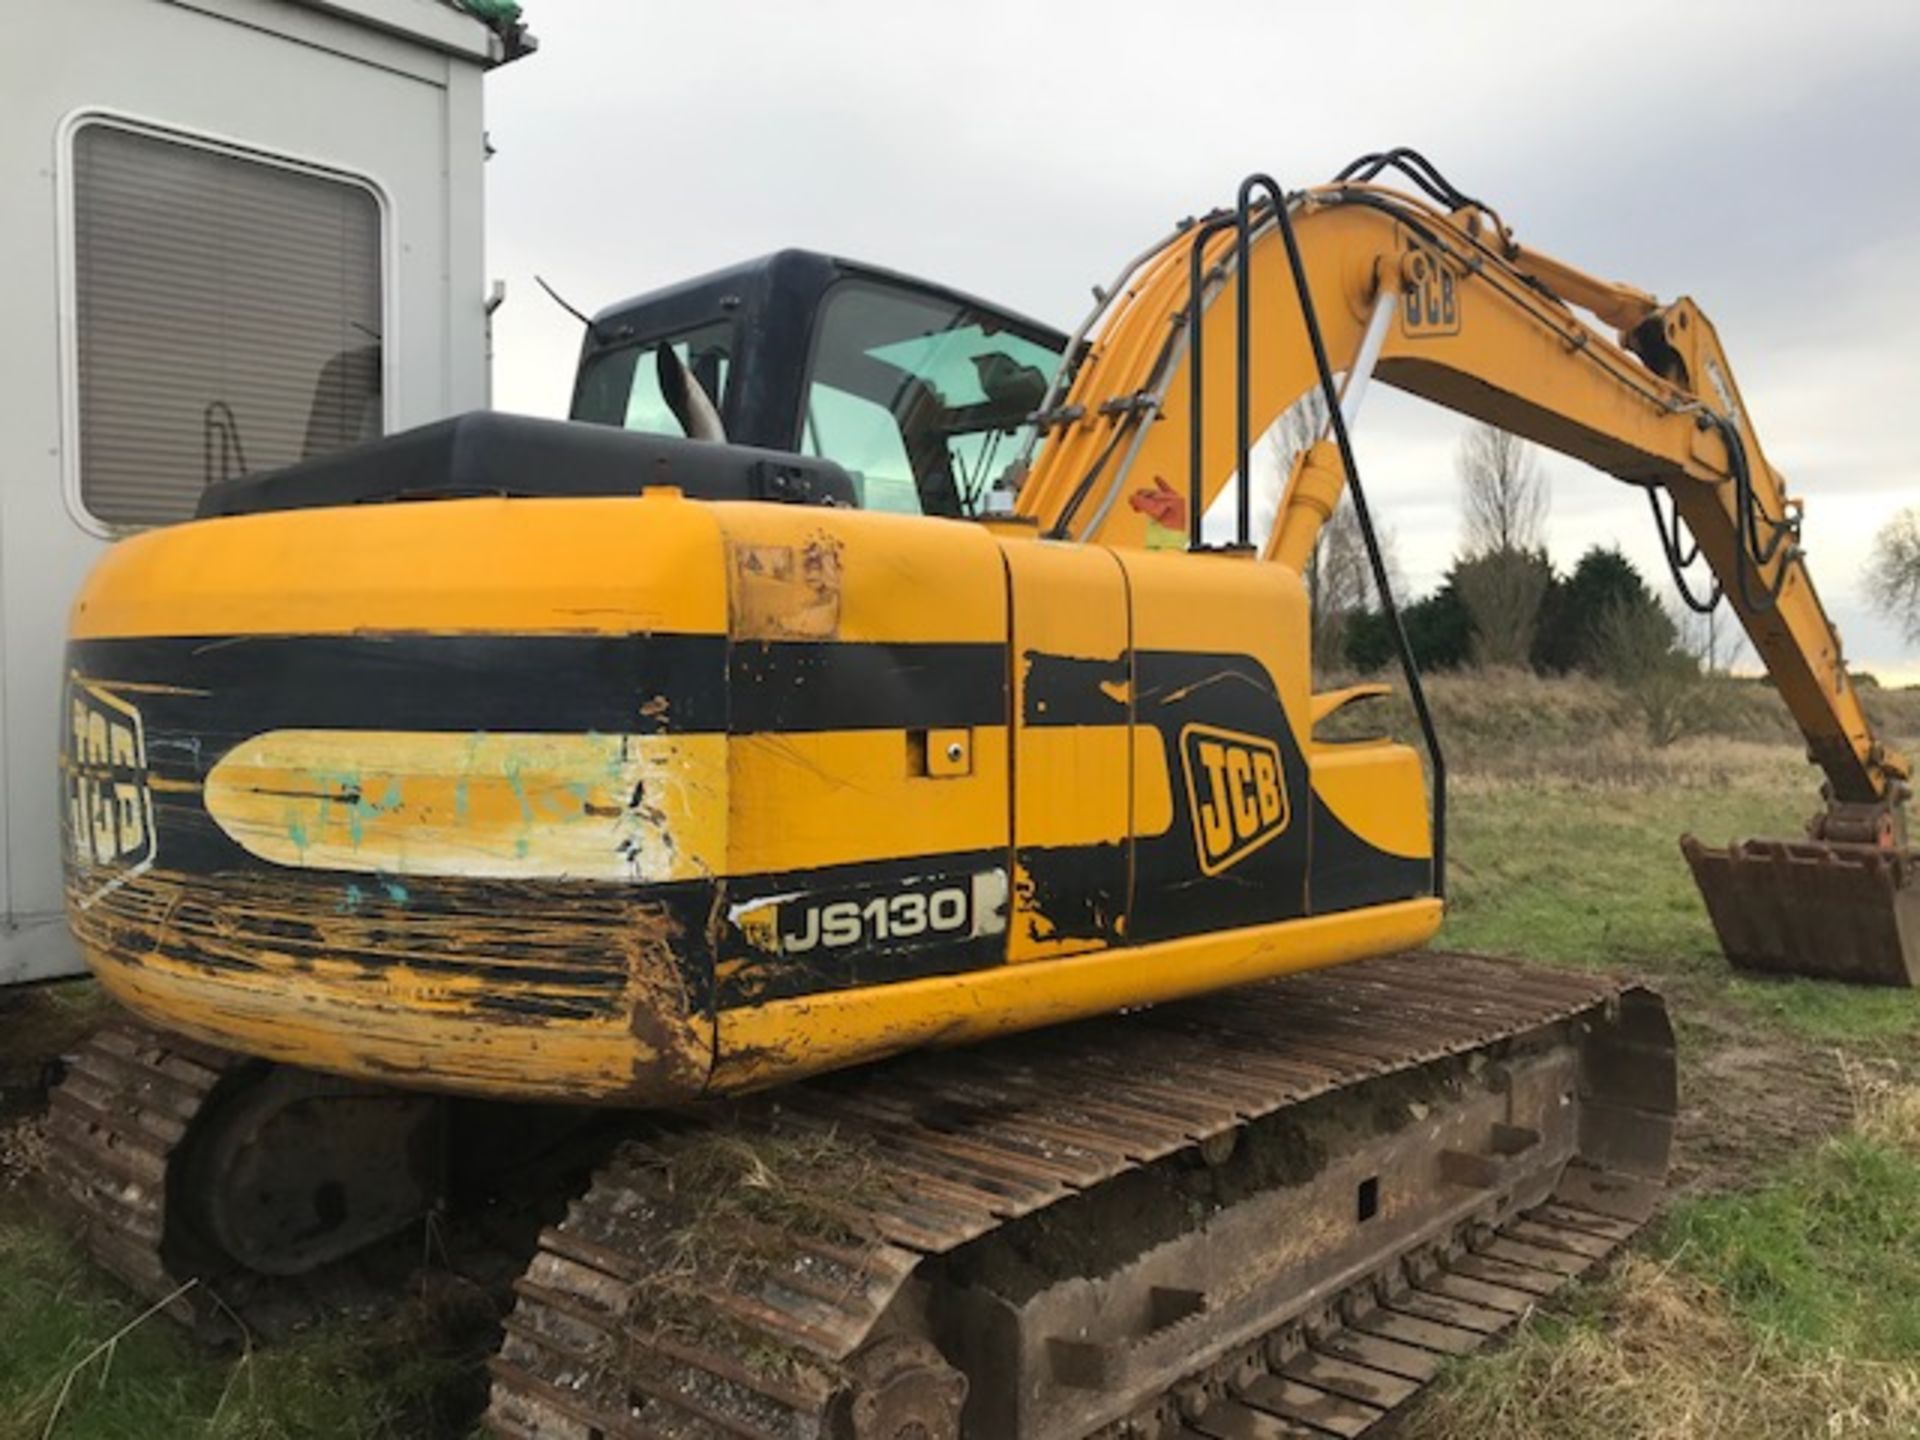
<point x="634" y="1322"/>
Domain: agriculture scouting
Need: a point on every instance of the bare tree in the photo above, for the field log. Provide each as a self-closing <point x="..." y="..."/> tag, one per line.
<point x="1504" y="492"/>
<point x="1502" y="591"/>
<point x="1647" y="654"/>
<point x="1893" y="572"/>
<point x="1715" y="638"/>
<point x="1299" y="425"/>
<point x="1340" y="579"/>
<point x="1504" y="574"/>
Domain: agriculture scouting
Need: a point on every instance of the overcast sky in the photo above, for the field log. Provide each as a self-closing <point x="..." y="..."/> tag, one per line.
<point x="1757" y="156"/>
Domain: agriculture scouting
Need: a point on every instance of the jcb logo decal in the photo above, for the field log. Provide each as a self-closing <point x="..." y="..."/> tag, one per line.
<point x="1430" y="304"/>
<point x="109" y="808"/>
<point x="1235" y="791"/>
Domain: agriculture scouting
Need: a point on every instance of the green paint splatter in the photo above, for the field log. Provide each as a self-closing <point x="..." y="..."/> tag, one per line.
<point x="512" y="771"/>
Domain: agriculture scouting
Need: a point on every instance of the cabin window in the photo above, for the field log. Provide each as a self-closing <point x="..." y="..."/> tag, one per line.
<point x="227" y="318"/>
<point x="921" y="397"/>
<point x="864" y="437"/>
<point x="622" y="387"/>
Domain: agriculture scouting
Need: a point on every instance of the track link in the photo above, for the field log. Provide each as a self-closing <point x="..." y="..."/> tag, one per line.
<point x="1363" y="1358"/>
<point x="113" y="1123"/>
<point x="670" y="1303"/>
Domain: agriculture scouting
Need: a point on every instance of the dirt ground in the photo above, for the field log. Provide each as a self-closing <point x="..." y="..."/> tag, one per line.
<point x="1750" y="1099"/>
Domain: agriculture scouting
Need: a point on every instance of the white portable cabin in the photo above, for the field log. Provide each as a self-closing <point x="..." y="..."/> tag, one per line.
<point x="233" y="233"/>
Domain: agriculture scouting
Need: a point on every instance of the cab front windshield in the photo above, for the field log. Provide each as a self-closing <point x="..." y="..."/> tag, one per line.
<point x="920" y="398"/>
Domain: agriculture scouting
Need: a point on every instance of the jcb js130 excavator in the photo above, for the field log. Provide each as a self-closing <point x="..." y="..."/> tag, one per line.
<point x="896" y="704"/>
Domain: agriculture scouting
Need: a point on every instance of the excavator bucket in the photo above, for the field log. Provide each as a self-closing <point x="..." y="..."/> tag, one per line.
<point x="1817" y="908"/>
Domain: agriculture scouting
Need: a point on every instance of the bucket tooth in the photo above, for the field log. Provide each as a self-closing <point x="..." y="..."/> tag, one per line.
<point x="1816" y="908"/>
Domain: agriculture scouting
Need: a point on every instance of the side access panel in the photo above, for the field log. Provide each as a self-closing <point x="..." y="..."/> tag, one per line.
<point x="1221" y="692"/>
<point x="868" y="752"/>
<point x="1073" y="750"/>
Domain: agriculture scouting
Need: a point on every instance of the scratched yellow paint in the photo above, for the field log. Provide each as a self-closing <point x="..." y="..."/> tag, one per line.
<point x="436" y="1042"/>
<point x="900" y="578"/>
<point x="375" y="987"/>
<point x="641" y="808"/>
<point x="648" y="808"/>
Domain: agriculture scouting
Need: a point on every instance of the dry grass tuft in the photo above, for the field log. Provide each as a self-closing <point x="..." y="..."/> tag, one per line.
<point x="1663" y="1358"/>
<point x="1573" y="729"/>
<point x="716" y="1214"/>
<point x="23" y="1149"/>
<point x="1762" y="1322"/>
<point x="1890" y="1114"/>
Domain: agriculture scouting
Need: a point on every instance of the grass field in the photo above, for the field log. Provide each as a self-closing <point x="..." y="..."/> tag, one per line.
<point x="1779" y="1296"/>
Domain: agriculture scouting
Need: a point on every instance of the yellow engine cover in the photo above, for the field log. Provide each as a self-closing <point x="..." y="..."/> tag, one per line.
<point x="633" y="799"/>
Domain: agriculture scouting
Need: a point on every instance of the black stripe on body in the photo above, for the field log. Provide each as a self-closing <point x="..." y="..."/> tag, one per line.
<point x="219" y="691"/>
<point x="1069" y="690"/>
<point x="811" y="685"/>
<point x="1350" y="874"/>
<point x="226" y="689"/>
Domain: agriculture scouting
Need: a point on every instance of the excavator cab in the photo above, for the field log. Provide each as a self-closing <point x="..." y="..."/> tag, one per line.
<point x="918" y="392"/>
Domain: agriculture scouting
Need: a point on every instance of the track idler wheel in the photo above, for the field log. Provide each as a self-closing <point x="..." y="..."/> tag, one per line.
<point x="903" y="1390"/>
<point x="291" y="1170"/>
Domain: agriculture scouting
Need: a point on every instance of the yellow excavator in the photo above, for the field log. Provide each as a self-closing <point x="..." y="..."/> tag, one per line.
<point x="844" y="771"/>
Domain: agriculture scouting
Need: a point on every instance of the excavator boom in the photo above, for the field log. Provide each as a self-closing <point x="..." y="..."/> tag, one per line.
<point x="1433" y="296"/>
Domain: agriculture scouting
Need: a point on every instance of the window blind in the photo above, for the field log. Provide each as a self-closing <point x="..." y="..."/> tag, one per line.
<point x="227" y="317"/>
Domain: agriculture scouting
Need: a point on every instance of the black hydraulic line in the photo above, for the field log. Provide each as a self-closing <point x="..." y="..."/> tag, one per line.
<point x="1375" y="560"/>
<point x="1059" y="530"/>
<point x="1243" y="345"/>
<point x="1749" y="553"/>
<point x="1678" y="564"/>
<point x="1421" y="171"/>
<point x="1196" y="306"/>
<point x="1410" y="163"/>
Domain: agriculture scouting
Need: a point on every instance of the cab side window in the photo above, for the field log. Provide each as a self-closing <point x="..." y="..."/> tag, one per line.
<point x="622" y="387"/>
<point x="864" y="438"/>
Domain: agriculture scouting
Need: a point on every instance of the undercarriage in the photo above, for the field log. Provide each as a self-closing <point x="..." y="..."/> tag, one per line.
<point x="1271" y="1211"/>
